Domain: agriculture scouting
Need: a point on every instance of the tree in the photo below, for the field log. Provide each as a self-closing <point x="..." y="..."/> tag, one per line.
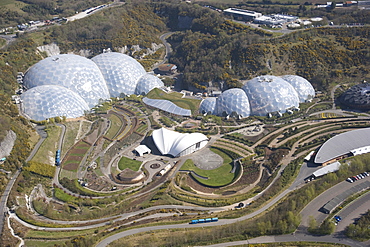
<point x="312" y="224"/>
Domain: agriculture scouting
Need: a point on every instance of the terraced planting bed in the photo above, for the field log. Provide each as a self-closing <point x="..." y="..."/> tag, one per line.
<point x="233" y="148"/>
<point x="75" y="155"/>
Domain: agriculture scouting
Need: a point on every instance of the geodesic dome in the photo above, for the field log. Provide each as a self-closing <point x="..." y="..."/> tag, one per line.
<point x="121" y="72"/>
<point x="47" y="101"/>
<point x="146" y="83"/>
<point x="270" y="94"/>
<point x="357" y="97"/>
<point x="303" y="87"/>
<point x="79" y="74"/>
<point x="208" y="105"/>
<point x="233" y="101"/>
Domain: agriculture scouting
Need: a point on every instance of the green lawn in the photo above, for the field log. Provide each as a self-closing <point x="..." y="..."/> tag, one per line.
<point x="46" y="152"/>
<point x="70" y="135"/>
<point x="56" y="235"/>
<point x="191" y="104"/>
<point x="125" y="162"/>
<point x="115" y="125"/>
<point x="44" y="243"/>
<point x="217" y="177"/>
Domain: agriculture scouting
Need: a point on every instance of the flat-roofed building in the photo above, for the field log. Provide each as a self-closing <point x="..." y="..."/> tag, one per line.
<point x="242" y="14"/>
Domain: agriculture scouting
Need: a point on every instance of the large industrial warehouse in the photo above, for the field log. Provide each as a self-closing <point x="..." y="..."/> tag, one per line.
<point x="351" y="143"/>
<point x="82" y="83"/>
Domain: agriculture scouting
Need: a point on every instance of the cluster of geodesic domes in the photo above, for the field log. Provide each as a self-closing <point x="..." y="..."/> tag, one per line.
<point x="260" y="96"/>
<point x="68" y="85"/>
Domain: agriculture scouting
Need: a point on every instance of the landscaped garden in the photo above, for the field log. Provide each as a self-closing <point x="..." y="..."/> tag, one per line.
<point x="75" y="155"/>
<point x="220" y="176"/>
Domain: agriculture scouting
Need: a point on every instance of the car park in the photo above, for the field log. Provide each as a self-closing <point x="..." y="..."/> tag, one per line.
<point x="357" y="177"/>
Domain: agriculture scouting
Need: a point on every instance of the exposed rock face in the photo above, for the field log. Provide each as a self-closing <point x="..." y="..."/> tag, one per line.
<point x="51" y="49"/>
<point x="7" y="144"/>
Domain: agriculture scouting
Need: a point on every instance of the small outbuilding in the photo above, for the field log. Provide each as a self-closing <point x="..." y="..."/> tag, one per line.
<point x="167" y="68"/>
<point x="142" y="149"/>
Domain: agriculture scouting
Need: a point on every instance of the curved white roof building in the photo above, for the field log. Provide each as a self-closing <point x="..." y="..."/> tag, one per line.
<point x="178" y="144"/>
<point x="352" y="142"/>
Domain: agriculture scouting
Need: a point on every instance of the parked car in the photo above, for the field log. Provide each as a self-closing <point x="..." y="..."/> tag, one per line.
<point x="337" y="218"/>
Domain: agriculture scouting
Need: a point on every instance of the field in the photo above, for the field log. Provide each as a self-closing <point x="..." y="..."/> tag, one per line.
<point x="46" y="152"/>
<point x="191" y="104"/>
<point x="129" y="163"/>
<point x="70" y="135"/>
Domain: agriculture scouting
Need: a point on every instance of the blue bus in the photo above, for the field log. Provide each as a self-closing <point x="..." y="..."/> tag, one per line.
<point x="57" y="157"/>
<point x="203" y="220"/>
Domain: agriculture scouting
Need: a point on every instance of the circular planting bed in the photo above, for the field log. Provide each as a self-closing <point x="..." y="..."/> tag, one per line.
<point x="155" y="166"/>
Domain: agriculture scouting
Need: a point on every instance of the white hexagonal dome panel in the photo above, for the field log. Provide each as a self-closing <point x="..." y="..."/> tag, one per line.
<point x="270" y="94"/>
<point x="121" y="72"/>
<point x="208" y="105"/>
<point x="303" y="87"/>
<point x="233" y="101"/>
<point x="76" y="73"/>
<point x="47" y="101"/>
<point x="146" y="83"/>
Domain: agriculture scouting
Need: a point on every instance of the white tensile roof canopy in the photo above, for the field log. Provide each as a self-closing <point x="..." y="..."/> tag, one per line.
<point x="174" y="143"/>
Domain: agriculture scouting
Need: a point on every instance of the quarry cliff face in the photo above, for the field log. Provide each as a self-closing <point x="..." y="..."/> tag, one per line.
<point x="7" y="144"/>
